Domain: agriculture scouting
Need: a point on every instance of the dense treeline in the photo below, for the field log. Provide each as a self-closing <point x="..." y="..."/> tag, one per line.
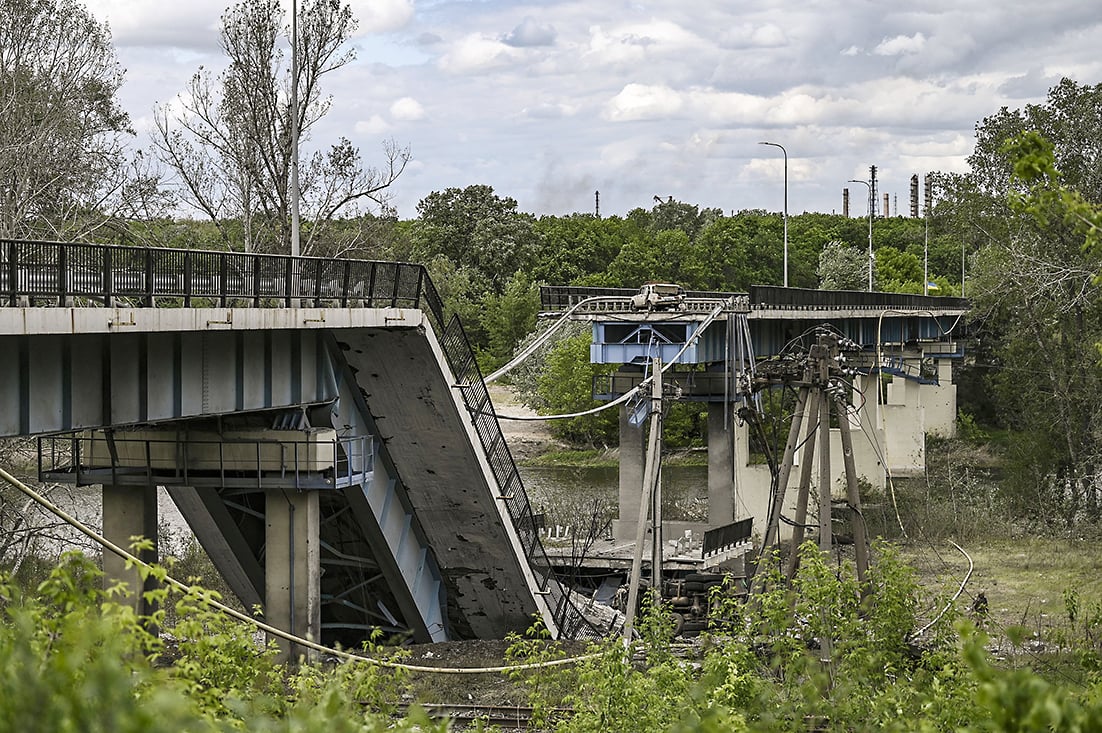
<point x="1014" y="234"/>
<point x="1019" y="235"/>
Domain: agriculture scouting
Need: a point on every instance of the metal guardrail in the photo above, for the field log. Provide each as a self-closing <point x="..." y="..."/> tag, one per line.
<point x="774" y="296"/>
<point x="555" y="298"/>
<point x="75" y="273"/>
<point x="93" y="457"/>
<point x="571" y="622"/>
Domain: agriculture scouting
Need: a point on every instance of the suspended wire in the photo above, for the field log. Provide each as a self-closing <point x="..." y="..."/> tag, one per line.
<point x="266" y="628"/>
<point x="949" y="604"/>
<point x="637" y="388"/>
<point x="542" y="339"/>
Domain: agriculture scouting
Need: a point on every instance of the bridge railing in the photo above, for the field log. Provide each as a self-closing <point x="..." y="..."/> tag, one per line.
<point x="321" y="461"/>
<point x="77" y="273"/>
<point x="775" y="296"/>
<point x="570" y="621"/>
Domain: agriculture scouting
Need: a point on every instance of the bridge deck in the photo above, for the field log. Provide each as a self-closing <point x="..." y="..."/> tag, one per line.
<point x="444" y="496"/>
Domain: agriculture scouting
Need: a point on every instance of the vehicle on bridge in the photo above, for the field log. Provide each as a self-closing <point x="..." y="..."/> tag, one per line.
<point x="659" y="296"/>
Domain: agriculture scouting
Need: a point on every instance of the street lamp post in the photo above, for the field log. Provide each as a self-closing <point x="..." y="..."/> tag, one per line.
<point x="785" y="152"/>
<point x="295" y="216"/>
<point x="854" y="180"/>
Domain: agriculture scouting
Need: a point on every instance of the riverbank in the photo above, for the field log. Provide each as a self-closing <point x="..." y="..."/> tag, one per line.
<point x="532" y="442"/>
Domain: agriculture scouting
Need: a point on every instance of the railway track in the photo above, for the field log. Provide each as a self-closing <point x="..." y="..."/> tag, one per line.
<point x="462" y="715"/>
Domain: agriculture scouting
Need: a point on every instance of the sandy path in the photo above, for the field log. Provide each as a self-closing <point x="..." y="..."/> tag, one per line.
<point x="526" y="438"/>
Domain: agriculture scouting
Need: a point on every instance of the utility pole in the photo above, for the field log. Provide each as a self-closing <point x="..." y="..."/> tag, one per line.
<point x="650" y="481"/>
<point x="296" y="224"/>
<point x="822" y="382"/>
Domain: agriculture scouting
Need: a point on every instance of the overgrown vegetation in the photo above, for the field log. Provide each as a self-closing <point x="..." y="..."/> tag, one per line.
<point x="72" y="658"/>
<point x="1019" y="235"/>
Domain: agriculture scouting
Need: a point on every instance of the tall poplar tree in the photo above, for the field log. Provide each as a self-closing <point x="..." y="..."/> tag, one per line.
<point x="228" y="139"/>
<point x="64" y="167"/>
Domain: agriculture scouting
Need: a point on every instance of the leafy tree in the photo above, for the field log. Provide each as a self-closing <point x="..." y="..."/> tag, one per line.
<point x="667" y="257"/>
<point x="477" y="230"/>
<point x="65" y="168"/>
<point x="566" y="386"/>
<point x="736" y="252"/>
<point x="688" y="218"/>
<point x="898" y="272"/>
<point x="842" y="267"/>
<point x="578" y="246"/>
<point x="1040" y="306"/>
<point x="510" y="317"/>
<point x="229" y="140"/>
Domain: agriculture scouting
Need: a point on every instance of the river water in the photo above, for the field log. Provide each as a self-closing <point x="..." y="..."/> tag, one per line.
<point x="566" y="493"/>
<point x="567" y="496"/>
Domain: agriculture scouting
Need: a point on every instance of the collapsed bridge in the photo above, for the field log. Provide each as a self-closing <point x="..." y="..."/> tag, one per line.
<point x="322" y="427"/>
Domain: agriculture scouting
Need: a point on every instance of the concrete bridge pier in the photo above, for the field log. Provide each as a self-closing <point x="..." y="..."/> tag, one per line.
<point x="292" y="568"/>
<point x="721" y="451"/>
<point x="721" y="473"/>
<point x="130" y="512"/>
<point x="632" y="460"/>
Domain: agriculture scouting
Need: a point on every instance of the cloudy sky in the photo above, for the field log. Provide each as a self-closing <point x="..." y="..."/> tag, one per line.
<point x="549" y="101"/>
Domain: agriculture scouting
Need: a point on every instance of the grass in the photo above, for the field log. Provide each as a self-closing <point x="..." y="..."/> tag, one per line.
<point x="608" y="458"/>
<point x="1028" y="583"/>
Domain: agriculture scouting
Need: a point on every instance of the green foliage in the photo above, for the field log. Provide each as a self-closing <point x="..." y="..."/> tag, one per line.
<point x="478" y="232"/>
<point x="843" y="267"/>
<point x="546" y="686"/>
<point x="1037" y="299"/>
<point x="1033" y="159"/>
<point x="615" y="694"/>
<point x="566" y="387"/>
<point x="509" y="317"/>
<point x="898" y="272"/>
<point x="969" y="430"/>
<point x="72" y="659"/>
<point x="578" y="246"/>
<point x="220" y="667"/>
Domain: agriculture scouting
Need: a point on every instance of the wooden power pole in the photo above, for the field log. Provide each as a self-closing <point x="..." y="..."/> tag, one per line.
<point x="651" y="497"/>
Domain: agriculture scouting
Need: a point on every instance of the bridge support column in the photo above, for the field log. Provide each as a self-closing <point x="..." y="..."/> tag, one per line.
<point x="292" y="567"/>
<point x="721" y="487"/>
<point x="632" y="458"/>
<point x="129" y="511"/>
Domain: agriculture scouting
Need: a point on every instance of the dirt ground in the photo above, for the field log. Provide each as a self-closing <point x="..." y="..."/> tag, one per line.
<point x="526" y="438"/>
<point x="494" y="688"/>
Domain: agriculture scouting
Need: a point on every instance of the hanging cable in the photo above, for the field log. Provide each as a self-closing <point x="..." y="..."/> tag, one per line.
<point x="266" y="628"/>
<point x="542" y="339"/>
<point x="637" y="388"/>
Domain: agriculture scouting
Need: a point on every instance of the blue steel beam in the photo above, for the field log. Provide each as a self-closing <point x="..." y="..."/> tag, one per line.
<point x="385" y="513"/>
<point x="57" y="382"/>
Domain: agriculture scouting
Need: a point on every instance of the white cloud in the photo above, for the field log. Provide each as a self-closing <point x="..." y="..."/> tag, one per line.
<point x="901" y="45"/>
<point x="634" y="42"/>
<point x="751" y="35"/>
<point x="407" y="109"/>
<point x="549" y="111"/>
<point x="376" y="125"/>
<point x="642" y="102"/>
<point x="531" y="33"/>
<point x="515" y="85"/>
<point x="194" y="24"/>
<point x="476" y="53"/>
<point x="381" y="16"/>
